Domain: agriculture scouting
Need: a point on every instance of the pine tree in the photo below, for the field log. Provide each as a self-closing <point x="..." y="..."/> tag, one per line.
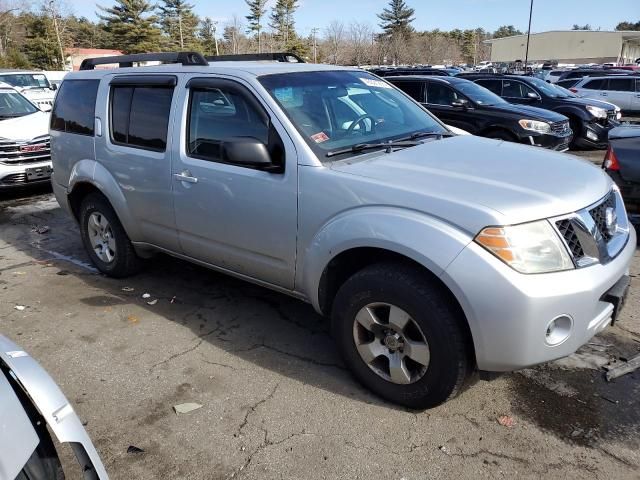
<point x="397" y="18"/>
<point x="207" y="36"/>
<point x="132" y="25"/>
<point x="180" y="24"/>
<point x="283" y="24"/>
<point x="257" y="11"/>
<point x="41" y="47"/>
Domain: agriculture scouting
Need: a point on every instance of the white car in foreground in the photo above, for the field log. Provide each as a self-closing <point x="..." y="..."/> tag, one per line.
<point x="25" y="156"/>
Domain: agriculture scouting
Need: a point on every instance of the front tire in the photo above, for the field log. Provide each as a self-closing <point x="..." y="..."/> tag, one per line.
<point x="105" y="240"/>
<point x="401" y="336"/>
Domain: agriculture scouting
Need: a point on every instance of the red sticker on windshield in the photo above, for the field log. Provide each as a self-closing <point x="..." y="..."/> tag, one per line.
<point x="319" y="137"/>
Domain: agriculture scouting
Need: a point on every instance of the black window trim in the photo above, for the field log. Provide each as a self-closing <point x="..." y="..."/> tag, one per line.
<point x="57" y="99"/>
<point x="140" y="81"/>
<point x="199" y="84"/>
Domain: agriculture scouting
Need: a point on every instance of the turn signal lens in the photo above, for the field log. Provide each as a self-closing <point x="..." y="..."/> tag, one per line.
<point x="528" y="248"/>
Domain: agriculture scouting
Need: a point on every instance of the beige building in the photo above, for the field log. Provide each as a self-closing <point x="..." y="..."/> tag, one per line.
<point x="572" y="46"/>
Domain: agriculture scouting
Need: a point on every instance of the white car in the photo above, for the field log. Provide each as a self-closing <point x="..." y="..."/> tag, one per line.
<point x="25" y="156"/>
<point x="32" y="84"/>
<point x="622" y="91"/>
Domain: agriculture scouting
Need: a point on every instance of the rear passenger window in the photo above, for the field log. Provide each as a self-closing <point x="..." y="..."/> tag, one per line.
<point x="621" y="85"/>
<point x="75" y="107"/>
<point x="218" y="115"/>
<point x="140" y="116"/>
<point x="494" y="85"/>
<point x="596" y="84"/>
<point x="414" y="89"/>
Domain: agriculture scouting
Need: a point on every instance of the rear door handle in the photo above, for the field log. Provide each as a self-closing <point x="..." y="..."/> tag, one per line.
<point x="185" y="177"/>
<point x="603" y="94"/>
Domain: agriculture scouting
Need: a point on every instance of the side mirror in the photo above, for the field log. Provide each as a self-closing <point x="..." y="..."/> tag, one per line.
<point x="45" y="107"/>
<point x="533" y="96"/>
<point x="461" y="103"/>
<point x="53" y="86"/>
<point x="247" y="151"/>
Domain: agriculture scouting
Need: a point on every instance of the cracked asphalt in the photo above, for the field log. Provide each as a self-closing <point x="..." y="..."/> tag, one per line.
<point x="277" y="402"/>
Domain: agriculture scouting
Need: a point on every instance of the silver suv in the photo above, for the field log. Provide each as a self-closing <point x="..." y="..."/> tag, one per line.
<point x="622" y="91"/>
<point x="433" y="254"/>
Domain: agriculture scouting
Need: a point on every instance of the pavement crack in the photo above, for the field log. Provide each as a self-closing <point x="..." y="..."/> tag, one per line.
<point x="201" y="339"/>
<point x="302" y="358"/>
<point x="252" y="409"/>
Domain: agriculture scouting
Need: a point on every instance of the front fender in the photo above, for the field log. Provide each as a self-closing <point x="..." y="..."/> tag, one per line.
<point x="571" y="111"/>
<point x="52" y="405"/>
<point x="94" y="173"/>
<point x="428" y="241"/>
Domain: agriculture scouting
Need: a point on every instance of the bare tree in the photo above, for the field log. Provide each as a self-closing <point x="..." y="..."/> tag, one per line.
<point x="360" y="42"/>
<point x="335" y="37"/>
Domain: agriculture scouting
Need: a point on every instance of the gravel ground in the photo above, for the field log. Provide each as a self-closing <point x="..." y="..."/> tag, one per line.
<point x="276" y="399"/>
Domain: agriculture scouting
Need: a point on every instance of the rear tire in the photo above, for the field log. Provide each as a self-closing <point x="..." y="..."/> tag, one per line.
<point x="105" y="240"/>
<point x="432" y="316"/>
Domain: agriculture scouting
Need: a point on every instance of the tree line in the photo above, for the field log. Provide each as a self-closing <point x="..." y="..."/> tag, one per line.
<point x="41" y="36"/>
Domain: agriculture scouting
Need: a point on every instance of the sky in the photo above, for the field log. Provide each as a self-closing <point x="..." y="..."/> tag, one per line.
<point x="430" y="14"/>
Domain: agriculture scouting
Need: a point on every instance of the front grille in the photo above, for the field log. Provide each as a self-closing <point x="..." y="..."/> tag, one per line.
<point x="14" y="179"/>
<point x="560" y="128"/>
<point x="612" y="116"/>
<point x="23" y="153"/>
<point x="44" y="102"/>
<point x="599" y="216"/>
<point x="566" y="229"/>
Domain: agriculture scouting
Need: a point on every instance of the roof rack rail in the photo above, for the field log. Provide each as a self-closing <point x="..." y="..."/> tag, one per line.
<point x="185" y="58"/>
<point x="286" y="57"/>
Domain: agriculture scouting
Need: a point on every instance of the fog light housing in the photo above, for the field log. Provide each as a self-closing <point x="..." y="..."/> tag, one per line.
<point x="592" y="135"/>
<point x="558" y="330"/>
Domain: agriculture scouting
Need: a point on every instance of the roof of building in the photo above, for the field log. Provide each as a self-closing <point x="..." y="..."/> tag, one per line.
<point x="625" y="34"/>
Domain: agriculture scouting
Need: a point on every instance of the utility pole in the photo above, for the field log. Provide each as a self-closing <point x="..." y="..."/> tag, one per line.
<point x="526" y="56"/>
<point x="314" y="32"/>
<point x="215" y="37"/>
<point x="56" y="27"/>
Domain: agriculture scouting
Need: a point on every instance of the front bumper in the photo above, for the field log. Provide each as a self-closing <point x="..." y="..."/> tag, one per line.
<point x="594" y="134"/>
<point x="508" y="312"/>
<point x="15" y="176"/>
<point x="559" y="143"/>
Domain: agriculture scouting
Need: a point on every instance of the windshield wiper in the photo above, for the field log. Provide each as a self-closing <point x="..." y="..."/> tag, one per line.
<point x="418" y="135"/>
<point x="360" y="147"/>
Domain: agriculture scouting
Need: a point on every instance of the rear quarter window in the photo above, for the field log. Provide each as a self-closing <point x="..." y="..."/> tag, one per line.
<point x="596" y="84"/>
<point x="75" y="107"/>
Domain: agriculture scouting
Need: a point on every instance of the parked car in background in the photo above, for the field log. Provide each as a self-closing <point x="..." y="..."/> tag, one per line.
<point x="570" y="82"/>
<point x="622" y="163"/>
<point x="32" y="84"/>
<point x="552" y="76"/>
<point x="475" y="109"/>
<point x="623" y="91"/>
<point x="331" y="185"/>
<point x="394" y="72"/>
<point x="25" y="157"/>
<point x="591" y="72"/>
<point x="55" y="77"/>
<point x="32" y="406"/>
<point x="590" y="120"/>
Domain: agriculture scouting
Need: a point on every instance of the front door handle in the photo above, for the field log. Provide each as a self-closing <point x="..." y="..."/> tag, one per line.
<point x="603" y="94"/>
<point x="185" y="177"/>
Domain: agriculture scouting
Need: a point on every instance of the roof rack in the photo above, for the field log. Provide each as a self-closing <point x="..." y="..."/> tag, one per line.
<point x="185" y="58"/>
<point x="286" y="57"/>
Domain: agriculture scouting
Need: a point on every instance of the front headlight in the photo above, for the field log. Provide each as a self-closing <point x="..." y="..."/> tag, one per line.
<point x="535" y="126"/>
<point x="528" y="248"/>
<point x="597" y="111"/>
<point x="618" y="113"/>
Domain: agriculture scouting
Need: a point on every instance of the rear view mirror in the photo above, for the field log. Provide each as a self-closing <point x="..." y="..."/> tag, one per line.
<point x="247" y="151"/>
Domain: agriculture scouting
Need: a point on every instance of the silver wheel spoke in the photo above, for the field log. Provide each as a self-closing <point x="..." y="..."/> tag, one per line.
<point x="370" y="351"/>
<point x="367" y="319"/>
<point x="417" y="351"/>
<point x="111" y="243"/>
<point x="104" y="223"/>
<point x="398" y="318"/>
<point x="94" y="223"/>
<point x="398" y="370"/>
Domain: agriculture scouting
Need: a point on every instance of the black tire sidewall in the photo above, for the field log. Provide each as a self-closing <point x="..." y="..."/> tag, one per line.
<point x="96" y="203"/>
<point x="426" y="304"/>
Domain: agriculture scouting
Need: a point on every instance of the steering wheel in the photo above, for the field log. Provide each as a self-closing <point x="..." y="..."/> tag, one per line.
<point x="359" y="120"/>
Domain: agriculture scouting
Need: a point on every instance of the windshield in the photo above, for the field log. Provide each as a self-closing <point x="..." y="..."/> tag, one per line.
<point x="479" y="94"/>
<point x="341" y="109"/>
<point x="549" y="89"/>
<point x="12" y="104"/>
<point x="25" y="80"/>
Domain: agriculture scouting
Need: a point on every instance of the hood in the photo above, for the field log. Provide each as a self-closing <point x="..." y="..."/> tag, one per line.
<point x="38" y="93"/>
<point x="582" y="101"/>
<point x="531" y="113"/>
<point x="471" y="181"/>
<point x="25" y="128"/>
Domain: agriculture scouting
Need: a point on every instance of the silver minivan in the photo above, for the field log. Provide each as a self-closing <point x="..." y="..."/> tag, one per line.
<point x="622" y="91"/>
<point x="433" y="254"/>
